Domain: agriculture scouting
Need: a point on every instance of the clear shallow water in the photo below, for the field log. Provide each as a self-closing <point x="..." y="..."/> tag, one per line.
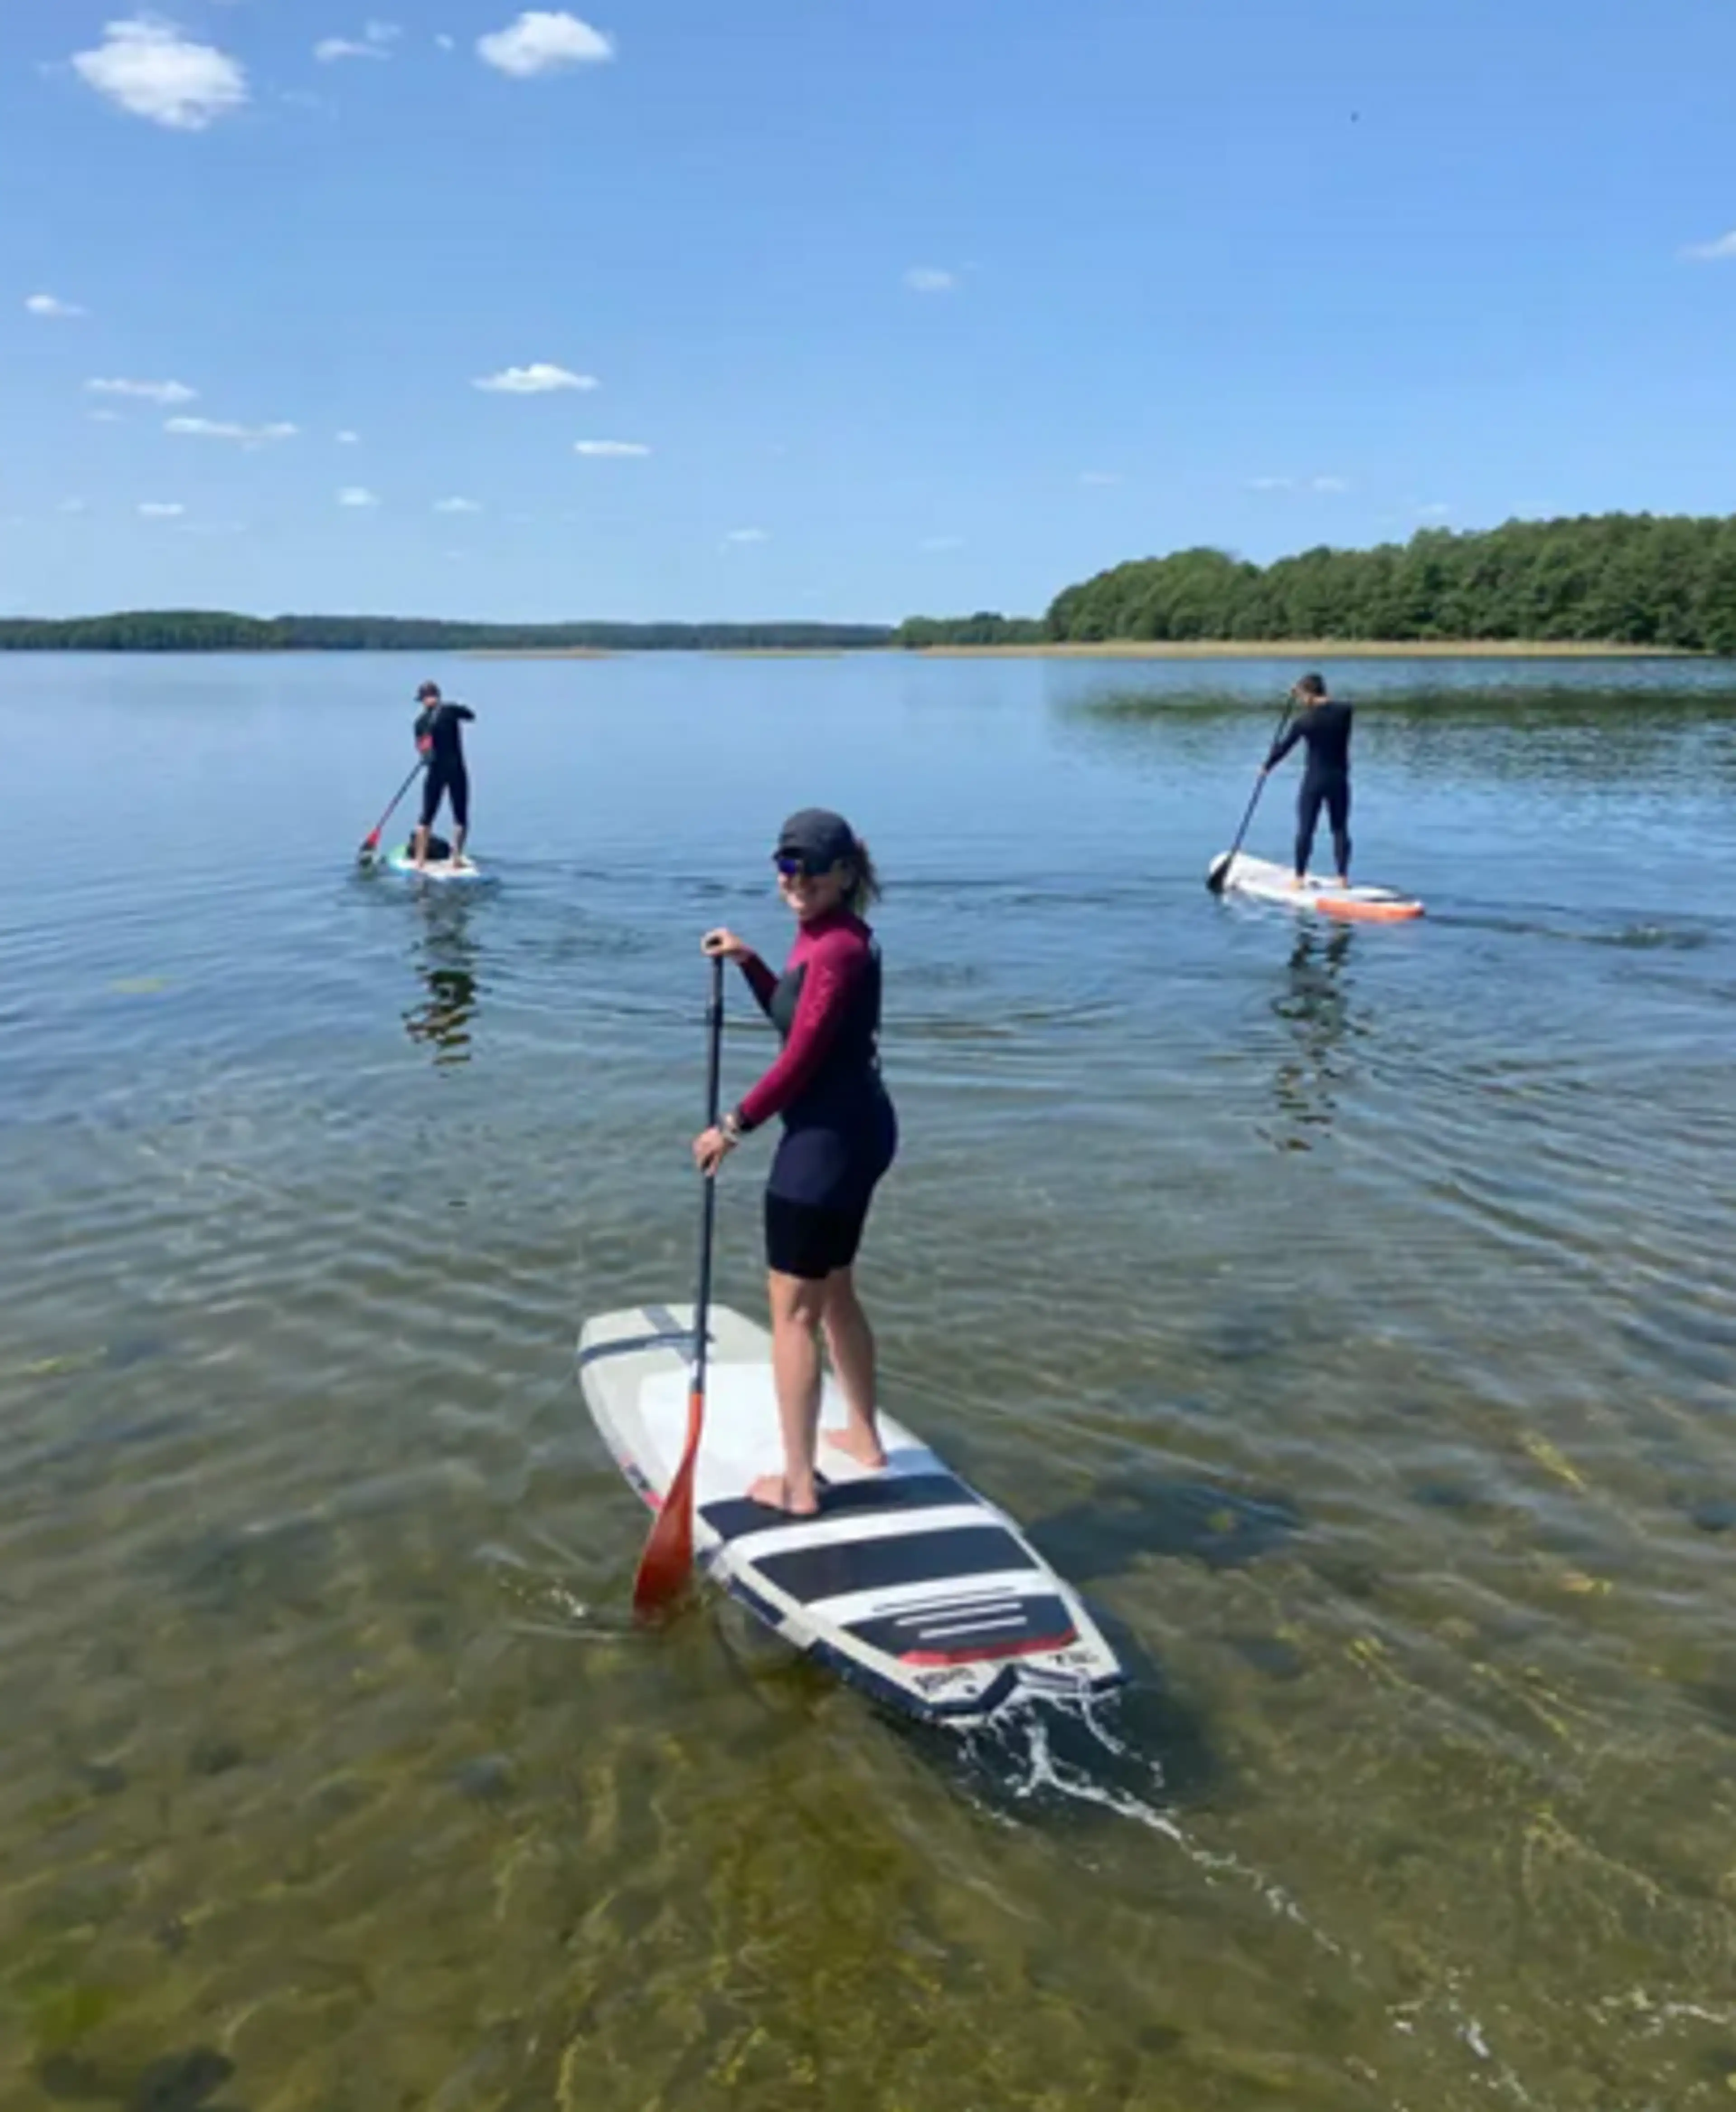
<point x="1351" y="1314"/>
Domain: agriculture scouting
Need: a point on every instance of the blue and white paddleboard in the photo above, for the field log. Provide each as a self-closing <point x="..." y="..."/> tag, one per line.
<point x="402" y="859"/>
<point x="907" y="1583"/>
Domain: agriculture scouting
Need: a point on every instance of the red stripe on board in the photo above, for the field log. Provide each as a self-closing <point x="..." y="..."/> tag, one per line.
<point x="982" y="1653"/>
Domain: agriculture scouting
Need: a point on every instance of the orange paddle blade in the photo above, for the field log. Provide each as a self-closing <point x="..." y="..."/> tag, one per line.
<point x="667" y="1563"/>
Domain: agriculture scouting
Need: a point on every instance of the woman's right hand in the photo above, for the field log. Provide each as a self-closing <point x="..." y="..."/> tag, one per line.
<point x="723" y="944"/>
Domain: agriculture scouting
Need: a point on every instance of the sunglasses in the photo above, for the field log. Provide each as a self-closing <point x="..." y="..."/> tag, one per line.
<point x="794" y="867"/>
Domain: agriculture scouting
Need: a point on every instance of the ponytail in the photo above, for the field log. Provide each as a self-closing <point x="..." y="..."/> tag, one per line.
<point x="864" y="888"/>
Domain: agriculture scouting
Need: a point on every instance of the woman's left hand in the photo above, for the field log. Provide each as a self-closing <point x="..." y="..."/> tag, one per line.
<point x="711" y="1147"/>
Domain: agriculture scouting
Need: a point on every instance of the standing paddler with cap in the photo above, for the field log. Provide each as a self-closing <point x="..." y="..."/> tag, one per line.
<point x="441" y="742"/>
<point x="839" y="1136"/>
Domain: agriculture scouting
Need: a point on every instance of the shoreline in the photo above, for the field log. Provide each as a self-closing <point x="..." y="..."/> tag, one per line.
<point x="1125" y="649"/>
<point x="1310" y="649"/>
<point x="1316" y="650"/>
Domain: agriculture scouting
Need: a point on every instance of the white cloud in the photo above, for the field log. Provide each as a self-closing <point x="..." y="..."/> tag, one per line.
<point x="157" y="509"/>
<point x="105" y="417"/>
<point x="213" y="527"/>
<point x="147" y="67"/>
<point x="356" y="494"/>
<point x="146" y="392"/>
<point x="941" y="542"/>
<point x="1713" y="252"/>
<point x="218" y="429"/>
<point x="48" y="305"/>
<point x="349" y="439"/>
<point x="538" y="379"/>
<point x="747" y="535"/>
<point x="930" y="278"/>
<point x="616" y="448"/>
<point x="1324" y="484"/>
<point x="456" y="506"/>
<point x="72" y="506"/>
<point x="1437" y="512"/>
<point x="377" y="42"/>
<point x="541" y="43"/>
<point x="1100" y="476"/>
<point x="447" y="44"/>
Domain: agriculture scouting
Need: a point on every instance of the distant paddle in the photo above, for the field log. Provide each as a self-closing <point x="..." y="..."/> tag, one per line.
<point x="370" y="841"/>
<point x="1219" y="869"/>
<point x="667" y="1559"/>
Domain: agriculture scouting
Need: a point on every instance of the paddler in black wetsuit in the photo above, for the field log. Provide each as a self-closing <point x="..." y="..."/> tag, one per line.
<point x="1325" y="725"/>
<point x="438" y="738"/>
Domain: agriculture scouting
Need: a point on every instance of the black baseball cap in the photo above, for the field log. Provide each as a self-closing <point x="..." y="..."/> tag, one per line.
<point x="819" y="838"/>
<point x="427" y="689"/>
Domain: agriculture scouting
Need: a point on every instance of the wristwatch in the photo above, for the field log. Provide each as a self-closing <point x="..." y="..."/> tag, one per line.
<point x="731" y="1127"/>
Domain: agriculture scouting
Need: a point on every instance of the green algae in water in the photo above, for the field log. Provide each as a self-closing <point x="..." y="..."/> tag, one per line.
<point x="61" y="2016"/>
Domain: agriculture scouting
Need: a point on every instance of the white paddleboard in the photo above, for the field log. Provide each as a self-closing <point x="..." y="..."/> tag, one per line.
<point x="402" y="860"/>
<point x="1267" y="882"/>
<point x="907" y="1583"/>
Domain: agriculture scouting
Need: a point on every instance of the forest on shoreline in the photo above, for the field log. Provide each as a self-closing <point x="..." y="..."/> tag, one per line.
<point x="1655" y="581"/>
<point x="208" y="631"/>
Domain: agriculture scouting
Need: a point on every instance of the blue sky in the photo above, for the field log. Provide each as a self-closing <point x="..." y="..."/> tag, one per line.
<point x="855" y="310"/>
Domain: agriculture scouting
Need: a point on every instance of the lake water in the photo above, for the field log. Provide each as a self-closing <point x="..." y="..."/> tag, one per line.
<point x="1352" y="1314"/>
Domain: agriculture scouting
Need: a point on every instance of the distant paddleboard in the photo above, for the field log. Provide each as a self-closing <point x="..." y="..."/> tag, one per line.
<point x="402" y="860"/>
<point x="1267" y="882"/>
<point x="907" y="1583"/>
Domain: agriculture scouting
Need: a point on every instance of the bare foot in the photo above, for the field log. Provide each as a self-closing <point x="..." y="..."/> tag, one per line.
<point x="1300" y="880"/>
<point x="856" y="1443"/>
<point x="773" y="1491"/>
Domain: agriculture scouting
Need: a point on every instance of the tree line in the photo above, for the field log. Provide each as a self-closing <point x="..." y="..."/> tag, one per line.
<point x="1615" y="578"/>
<point x="208" y="631"/>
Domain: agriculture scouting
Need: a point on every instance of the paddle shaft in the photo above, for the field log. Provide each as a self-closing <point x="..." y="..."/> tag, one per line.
<point x="708" y="1207"/>
<point x="667" y="1559"/>
<point x="370" y="841"/>
<point x="1220" y="872"/>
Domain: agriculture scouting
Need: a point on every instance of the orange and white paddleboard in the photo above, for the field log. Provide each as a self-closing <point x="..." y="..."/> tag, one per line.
<point x="1266" y="882"/>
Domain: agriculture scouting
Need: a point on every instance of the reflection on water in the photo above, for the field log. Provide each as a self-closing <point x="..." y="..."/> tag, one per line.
<point x="446" y="956"/>
<point x="1584" y="725"/>
<point x="1315" y="1004"/>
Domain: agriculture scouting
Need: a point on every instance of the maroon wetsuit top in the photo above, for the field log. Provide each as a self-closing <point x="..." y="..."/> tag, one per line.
<point x="840" y="1130"/>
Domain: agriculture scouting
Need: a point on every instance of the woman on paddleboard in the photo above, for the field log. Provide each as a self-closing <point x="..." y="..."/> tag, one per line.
<point x="840" y="1135"/>
<point x="1325" y="725"/>
<point x="439" y="741"/>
